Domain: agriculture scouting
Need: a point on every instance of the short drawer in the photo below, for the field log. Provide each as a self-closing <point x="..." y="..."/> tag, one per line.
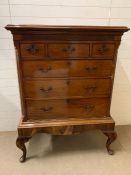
<point x="67" y="88"/>
<point x="70" y="108"/>
<point x="32" y="50"/>
<point x="105" y="51"/>
<point x="72" y="68"/>
<point x="63" y="51"/>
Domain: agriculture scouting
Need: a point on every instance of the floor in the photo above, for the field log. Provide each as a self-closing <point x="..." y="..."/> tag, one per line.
<point x="83" y="154"/>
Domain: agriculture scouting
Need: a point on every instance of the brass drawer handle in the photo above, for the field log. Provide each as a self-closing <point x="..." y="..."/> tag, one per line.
<point x="32" y="49"/>
<point x="89" y="107"/>
<point x="103" y="49"/>
<point x="48" y="109"/>
<point x="46" y="90"/>
<point x="69" y="49"/>
<point x="91" y="88"/>
<point x="45" y="70"/>
<point x="91" y="69"/>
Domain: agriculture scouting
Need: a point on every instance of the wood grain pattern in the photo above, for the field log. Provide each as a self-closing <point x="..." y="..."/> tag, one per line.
<point x="71" y="68"/>
<point x="32" y="50"/>
<point x="66" y="78"/>
<point x="68" y="108"/>
<point x="103" y="50"/>
<point x="68" y="50"/>
<point x="67" y="88"/>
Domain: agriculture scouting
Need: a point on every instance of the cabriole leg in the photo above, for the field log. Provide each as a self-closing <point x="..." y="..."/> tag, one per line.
<point x="112" y="135"/>
<point x="20" y="143"/>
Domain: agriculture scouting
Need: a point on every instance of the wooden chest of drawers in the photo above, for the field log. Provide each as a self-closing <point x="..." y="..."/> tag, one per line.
<point x="66" y="77"/>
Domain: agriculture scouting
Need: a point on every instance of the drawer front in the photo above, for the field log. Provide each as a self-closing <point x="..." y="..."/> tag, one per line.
<point x="72" y="68"/>
<point x="74" y="51"/>
<point x="44" y="109"/>
<point x="103" y="50"/>
<point x="32" y="50"/>
<point x="67" y="88"/>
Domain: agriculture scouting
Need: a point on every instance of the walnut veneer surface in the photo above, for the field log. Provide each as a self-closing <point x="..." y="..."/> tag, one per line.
<point x="66" y="78"/>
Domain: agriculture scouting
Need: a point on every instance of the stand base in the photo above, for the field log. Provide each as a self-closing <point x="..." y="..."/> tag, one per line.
<point x="64" y="127"/>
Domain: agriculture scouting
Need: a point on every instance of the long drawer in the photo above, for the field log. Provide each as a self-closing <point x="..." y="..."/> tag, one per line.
<point x="72" y="68"/>
<point x="44" y="109"/>
<point x="63" y="88"/>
